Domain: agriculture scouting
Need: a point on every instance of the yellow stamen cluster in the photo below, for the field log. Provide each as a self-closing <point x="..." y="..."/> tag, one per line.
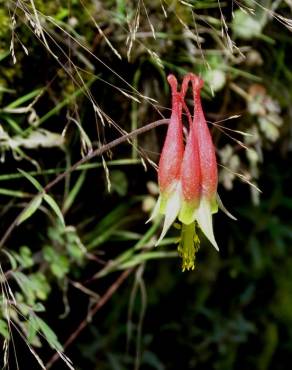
<point x="188" y="246"/>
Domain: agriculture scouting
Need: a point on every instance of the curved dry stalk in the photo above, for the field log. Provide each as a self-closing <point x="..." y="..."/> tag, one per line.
<point x="100" y="303"/>
<point x="94" y="153"/>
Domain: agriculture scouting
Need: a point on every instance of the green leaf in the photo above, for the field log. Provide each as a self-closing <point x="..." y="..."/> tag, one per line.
<point x="74" y="192"/>
<point x="75" y="252"/>
<point x="119" y="182"/>
<point x="53" y="204"/>
<point x="13" y="193"/>
<point x="40" y="286"/>
<point x="13" y="124"/>
<point x="59" y="264"/>
<point x="4" y="329"/>
<point x="39" y="307"/>
<point x="23" y="99"/>
<point x="31" y="179"/>
<point x="143" y="257"/>
<point x="30" y="209"/>
<point x="48" y="199"/>
<point x="32" y="329"/>
<point x="49" y="254"/>
<point x="25" y="257"/>
<point x="27" y="289"/>
<point x="62" y="13"/>
<point x="49" y="334"/>
<point x="60" y="267"/>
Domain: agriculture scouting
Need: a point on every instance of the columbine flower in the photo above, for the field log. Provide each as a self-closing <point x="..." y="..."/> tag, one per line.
<point x="187" y="175"/>
<point x="199" y="174"/>
<point x="169" y="170"/>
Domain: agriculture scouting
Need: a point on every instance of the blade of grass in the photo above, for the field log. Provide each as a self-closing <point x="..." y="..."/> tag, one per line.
<point x="88" y="166"/>
<point x="14" y="193"/>
<point x="74" y="192"/>
<point x="23" y="99"/>
<point x="30" y="210"/>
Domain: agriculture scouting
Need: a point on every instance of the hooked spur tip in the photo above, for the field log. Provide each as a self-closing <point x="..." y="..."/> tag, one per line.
<point x="172" y="81"/>
<point x="197" y="81"/>
<point x="185" y="83"/>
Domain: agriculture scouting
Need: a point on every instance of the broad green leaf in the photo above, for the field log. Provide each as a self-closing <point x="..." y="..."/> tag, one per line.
<point x="30" y="209"/>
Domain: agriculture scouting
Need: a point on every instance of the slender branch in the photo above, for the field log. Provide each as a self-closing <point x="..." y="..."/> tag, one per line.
<point x="95" y="153"/>
<point x="108" y="294"/>
<point x="105" y="148"/>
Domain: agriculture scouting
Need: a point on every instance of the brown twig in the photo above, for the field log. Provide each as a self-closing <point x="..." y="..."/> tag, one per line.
<point x="111" y="290"/>
<point x="94" y="153"/>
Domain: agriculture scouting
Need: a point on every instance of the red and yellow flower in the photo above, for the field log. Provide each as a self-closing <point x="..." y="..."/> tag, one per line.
<point x="187" y="173"/>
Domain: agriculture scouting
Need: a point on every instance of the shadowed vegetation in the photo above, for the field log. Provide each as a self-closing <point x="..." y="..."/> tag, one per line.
<point x="80" y="274"/>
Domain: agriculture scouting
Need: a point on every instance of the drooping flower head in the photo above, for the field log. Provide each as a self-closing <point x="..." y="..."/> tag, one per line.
<point x="206" y="166"/>
<point x="187" y="174"/>
<point x="169" y="169"/>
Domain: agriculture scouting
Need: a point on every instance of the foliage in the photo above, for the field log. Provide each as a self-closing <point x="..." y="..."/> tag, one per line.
<point x="74" y="76"/>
